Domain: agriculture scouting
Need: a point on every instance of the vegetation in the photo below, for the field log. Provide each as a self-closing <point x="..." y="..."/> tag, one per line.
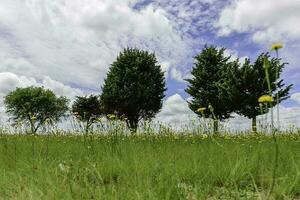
<point x="148" y="167"/>
<point x="134" y="87"/>
<point x="246" y="83"/>
<point x="155" y="162"/>
<point x="87" y="110"/>
<point x="208" y="74"/>
<point x="35" y="106"/>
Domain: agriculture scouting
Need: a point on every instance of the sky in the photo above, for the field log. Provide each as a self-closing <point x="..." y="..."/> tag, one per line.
<point x="68" y="45"/>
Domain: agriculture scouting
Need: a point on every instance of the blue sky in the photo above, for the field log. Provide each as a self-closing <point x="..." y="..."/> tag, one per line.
<point x="68" y="46"/>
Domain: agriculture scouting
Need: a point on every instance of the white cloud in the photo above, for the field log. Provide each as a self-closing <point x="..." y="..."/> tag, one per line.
<point x="177" y="75"/>
<point x="76" y="41"/>
<point x="175" y="111"/>
<point x="267" y="20"/>
<point x="61" y="89"/>
<point x="234" y="55"/>
<point x="296" y="97"/>
<point x="9" y="81"/>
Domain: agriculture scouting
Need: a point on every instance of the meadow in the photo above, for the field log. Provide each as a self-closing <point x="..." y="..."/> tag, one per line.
<point x="148" y="166"/>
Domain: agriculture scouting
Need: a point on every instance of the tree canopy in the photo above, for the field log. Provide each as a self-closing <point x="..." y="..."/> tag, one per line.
<point x="34" y="106"/>
<point x="87" y="109"/>
<point x="247" y="82"/>
<point x="134" y="87"/>
<point x="208" y="74"/>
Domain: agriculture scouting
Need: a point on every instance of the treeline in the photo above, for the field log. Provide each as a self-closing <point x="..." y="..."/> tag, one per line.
<point x="135" y="84"/>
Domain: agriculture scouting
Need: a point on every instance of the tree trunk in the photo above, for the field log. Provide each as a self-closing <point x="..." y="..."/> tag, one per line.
<point x="87" y="127"/>
<point x="216" y="126"/>
<point x="254" y="128"/>
<point x="32" y="127"/>
<point x="132" y="125"/>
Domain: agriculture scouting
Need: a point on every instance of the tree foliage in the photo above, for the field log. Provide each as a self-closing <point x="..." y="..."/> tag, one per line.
<point x="87" y="109"/>
<point x="246" y="83"/>
<point x="34" y="106"/>
<point x="208" y="74"/>
<point x="134" y="87"/>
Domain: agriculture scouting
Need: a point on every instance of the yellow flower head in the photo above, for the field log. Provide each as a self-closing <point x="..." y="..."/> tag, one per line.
<point x="276" y="46"/>
<point x="111" y="116"/>
<point x="266" y="64"/>
<point x="202" y="109"/>
<point x="265" y="99"/>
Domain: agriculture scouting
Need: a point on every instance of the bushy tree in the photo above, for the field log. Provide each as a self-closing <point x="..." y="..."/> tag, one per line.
<point x="34" y="106"/>
<point x="246" y="83"/>
<point x="87" y="109"/>
<point x="134" y="87"/>
<point x="208" y="75"/>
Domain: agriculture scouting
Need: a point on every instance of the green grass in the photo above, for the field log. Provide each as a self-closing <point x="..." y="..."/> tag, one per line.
<point x="148" y="167"/>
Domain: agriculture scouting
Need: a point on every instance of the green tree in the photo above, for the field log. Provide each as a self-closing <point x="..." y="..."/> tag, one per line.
<point x="87" y="109"/>
<point x="246" y="83"/>
<point x="134" y="87"/>
<point x="34" y="106"/>
<point x="208" y="75"/>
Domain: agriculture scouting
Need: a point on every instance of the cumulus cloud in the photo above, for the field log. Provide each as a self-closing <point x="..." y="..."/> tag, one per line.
<point x="296" y="97"/>
<point x="75" y="42"/>
<point x="234" y="55"/>
<point x="268" y="20"/>
<point x="175" y="111"/>
<point x="10" y="81"/>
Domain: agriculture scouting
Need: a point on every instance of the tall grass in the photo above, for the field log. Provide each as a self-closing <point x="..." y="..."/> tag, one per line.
<point x="148" y="166"/>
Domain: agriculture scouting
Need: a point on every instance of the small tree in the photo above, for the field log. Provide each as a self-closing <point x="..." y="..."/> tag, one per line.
<point x="34" y="106"/>
<point x="134" y="87"/>
<point x="245" y="84"/>
<point x="208" y="74"/>
<point x="87" y="110"/>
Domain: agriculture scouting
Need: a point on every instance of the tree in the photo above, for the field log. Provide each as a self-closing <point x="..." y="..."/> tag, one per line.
<point x="34" y="106"/>
<point x="208" y="74"/>
<point x="245" y="84"/>
<point x="134" y="87"/>
<point x="87" y="110"/>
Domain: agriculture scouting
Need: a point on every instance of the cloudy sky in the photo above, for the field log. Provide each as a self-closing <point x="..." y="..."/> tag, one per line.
<point x="68" y="45"/>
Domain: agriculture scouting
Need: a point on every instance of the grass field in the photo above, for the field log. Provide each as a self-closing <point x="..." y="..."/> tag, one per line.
<point x="148" y="167"/>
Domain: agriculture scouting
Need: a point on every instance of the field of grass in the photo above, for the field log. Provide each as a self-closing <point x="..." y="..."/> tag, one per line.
<point x="148" y="167"/>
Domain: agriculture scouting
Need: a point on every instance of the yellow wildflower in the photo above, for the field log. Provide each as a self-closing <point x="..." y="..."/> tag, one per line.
<point x="202" y="109"/>
<point x="111" y="116"/>
<point x="265" y="99"/>
<point x="276" y="46"/>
